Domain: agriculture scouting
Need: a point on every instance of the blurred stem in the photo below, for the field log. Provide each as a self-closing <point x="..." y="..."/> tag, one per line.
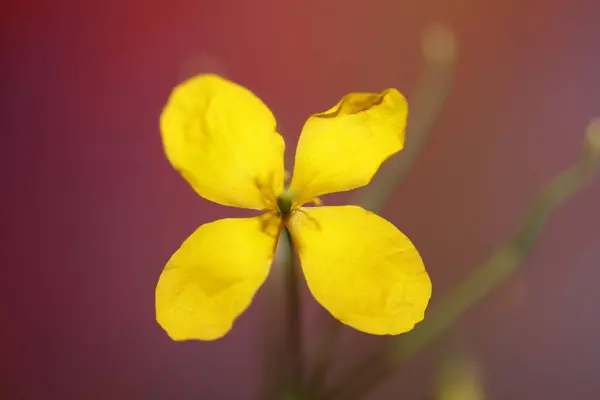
<point x="373" y="371"/>
<point x="294" y="323"/>
<point x="433" y="87"/>
<point x="325" y="356"/>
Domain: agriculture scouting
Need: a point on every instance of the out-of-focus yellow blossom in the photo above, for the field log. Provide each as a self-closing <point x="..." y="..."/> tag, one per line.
<point x="460" y="379"/>
<point x="223" y="140"/>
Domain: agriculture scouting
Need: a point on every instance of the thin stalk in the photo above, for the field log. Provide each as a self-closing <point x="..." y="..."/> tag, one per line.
<point x="294" y="324"/>
<point x="325" y="356"/>
<point x="367" y="375"/>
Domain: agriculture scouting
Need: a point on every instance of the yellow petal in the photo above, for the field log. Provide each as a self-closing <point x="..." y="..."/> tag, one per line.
<point x="362" y="269"/>
<point x="341" y="149"/>
<point x="222" y="139"/>
<point x="213" y="277"/>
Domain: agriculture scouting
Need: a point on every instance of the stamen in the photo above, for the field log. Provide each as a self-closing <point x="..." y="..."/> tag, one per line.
<point x="316" y="201"/>
<point x="267" y="222"/>
<point x="266" y="193"/>
<point x="309" y="218"/>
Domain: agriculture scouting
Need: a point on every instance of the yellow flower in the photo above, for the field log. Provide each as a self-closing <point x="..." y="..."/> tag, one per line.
<point x="223" y="140"/>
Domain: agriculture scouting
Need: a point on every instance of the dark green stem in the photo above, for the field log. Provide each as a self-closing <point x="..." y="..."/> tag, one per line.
<point x="294" y="324"/>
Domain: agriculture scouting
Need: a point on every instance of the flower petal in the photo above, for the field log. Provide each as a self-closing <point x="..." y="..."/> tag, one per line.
<point x="214" y="275"/>
<point x="341" y="149"/>
<point x="222" y="139"/>
<point x="362" y="269"/>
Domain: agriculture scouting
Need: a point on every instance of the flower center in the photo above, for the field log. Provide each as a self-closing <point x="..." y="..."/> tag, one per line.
<point x="284" y="203"/>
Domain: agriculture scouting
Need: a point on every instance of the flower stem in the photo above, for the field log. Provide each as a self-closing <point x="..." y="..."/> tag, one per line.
<point x="325" y="355"/>
<point x="294" y="324"/>
<point x="482" y="280"/>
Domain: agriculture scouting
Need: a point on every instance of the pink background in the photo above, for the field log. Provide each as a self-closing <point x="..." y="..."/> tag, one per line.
<point x="91" y="210"/>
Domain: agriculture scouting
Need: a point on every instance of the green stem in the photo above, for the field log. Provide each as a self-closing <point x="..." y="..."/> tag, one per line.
<point x="325" y="355"/>
<point x="377" y="368"/>
<point x="294" y="324"/>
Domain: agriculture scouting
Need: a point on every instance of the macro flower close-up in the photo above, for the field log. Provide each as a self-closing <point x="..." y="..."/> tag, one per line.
<point x="321" y="200"/>
<point x="224" y="141"/>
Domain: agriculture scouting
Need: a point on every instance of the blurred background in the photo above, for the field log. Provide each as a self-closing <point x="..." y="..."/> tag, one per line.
<point x="91" y="209"/>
